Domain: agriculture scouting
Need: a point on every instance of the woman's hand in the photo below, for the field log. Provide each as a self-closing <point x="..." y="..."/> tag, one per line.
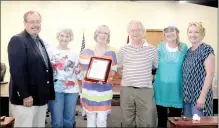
<point x="200" y="102"/>
<point x="81" y="68"/>
<point x="110" y="78"/>
<point x="100" y="82"/>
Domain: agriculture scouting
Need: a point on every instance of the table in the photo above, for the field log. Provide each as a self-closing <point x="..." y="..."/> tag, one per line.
<point x="4" y="99"/>
<point x="8" y="122"/>
<point x="205" y="122"/>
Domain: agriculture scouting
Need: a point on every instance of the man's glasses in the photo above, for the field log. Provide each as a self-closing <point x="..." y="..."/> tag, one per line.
<point x="136" y="30"/>
<point x="33" y="22"/>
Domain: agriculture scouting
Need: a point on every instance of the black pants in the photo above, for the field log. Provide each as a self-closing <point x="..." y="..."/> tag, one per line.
<point x="163" y="114"/>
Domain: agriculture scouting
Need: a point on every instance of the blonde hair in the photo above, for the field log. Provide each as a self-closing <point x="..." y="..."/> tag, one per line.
<point x="67" y="31"/>
<point x="177" y="38"/>
<point x="98" y="30"/>
<point x="200" y="27"/>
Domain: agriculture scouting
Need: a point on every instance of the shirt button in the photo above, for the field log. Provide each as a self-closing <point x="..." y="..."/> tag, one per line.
<point x="47" y="82"/>
<point x="46" y="70"/>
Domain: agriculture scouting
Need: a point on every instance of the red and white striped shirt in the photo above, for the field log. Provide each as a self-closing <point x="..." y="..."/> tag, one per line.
<point x="137" y="64"/>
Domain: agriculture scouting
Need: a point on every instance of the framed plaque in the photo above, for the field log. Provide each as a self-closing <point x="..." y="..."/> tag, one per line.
<point x="98" y="69"/>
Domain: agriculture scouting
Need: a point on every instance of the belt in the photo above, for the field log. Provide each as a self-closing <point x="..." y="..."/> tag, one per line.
<point x="135" y="87"/>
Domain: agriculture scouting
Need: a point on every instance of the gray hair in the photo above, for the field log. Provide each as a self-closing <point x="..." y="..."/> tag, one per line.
<point x="135" y="22"/>
<point x="30" y="13"/>
<point x="67" y="31"/>
<point x="98" y="30"/>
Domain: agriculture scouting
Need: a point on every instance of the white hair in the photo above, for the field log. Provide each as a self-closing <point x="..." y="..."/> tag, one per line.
<point x="135" y="22"/>
<point x="67" y="31"/>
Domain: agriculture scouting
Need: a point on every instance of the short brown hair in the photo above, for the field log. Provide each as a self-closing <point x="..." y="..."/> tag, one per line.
<point x="29" y="13"/>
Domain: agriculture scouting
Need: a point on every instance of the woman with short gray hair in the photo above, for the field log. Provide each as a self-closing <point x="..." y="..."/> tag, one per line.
<point x="66" y="74"/>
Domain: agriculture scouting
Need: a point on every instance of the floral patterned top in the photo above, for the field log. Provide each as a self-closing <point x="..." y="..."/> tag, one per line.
<point x="65" y="69"/>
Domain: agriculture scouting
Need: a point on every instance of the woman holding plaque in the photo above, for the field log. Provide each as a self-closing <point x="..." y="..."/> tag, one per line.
<point x="97" y="96"/>
<point x="65" y="63"/>
<point x="168" y="80"/>
<point x="198" y="72"/>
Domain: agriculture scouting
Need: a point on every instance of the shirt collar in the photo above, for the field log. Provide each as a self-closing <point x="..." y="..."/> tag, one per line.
<point x="145" y="44"/>
<point x="35" y="37"/>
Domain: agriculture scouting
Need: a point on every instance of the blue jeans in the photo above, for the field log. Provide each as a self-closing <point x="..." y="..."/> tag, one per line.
<point x="189" y="110"/>
<point x="62" y="109"/>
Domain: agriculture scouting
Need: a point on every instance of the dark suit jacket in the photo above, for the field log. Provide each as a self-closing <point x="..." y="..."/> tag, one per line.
<point x="29" y="74"/>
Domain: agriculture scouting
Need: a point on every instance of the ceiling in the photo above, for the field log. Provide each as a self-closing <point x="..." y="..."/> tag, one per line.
<point x="210" y="3"/>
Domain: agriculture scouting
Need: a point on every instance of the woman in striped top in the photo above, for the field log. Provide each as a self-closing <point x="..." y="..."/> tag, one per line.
<point x="96" y="97"/>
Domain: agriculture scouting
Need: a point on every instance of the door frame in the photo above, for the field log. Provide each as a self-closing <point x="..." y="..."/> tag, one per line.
<point x="154" y="30"/>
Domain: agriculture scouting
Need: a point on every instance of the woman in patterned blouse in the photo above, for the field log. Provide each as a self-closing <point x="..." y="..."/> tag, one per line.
<point x="96" y="97"/>
<point x="198" y="72"/>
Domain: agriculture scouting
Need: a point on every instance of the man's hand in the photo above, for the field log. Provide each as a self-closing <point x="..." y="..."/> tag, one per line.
<point x="119" y="70"/>
<point x="110" y="77"/>
<point x="28" y="102"/>
<point x="111" y="74"/>
<point x="110" y="80"/>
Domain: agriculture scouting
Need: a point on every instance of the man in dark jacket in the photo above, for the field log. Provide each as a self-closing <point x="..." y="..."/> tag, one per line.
<point x="31" y="83"/>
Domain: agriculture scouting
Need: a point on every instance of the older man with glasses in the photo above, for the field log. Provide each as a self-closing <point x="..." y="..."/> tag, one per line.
<point x="31" y="83"/>
<point x="135" y="62"/>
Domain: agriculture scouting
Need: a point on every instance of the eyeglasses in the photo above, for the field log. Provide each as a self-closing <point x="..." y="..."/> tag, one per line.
<point x="33" y="22"/>
<point x="136" y="30"/>
<point x="105" y="33"/>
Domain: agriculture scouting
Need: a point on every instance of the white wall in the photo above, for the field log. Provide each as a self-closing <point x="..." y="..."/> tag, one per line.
<point x="87" y="15"/>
